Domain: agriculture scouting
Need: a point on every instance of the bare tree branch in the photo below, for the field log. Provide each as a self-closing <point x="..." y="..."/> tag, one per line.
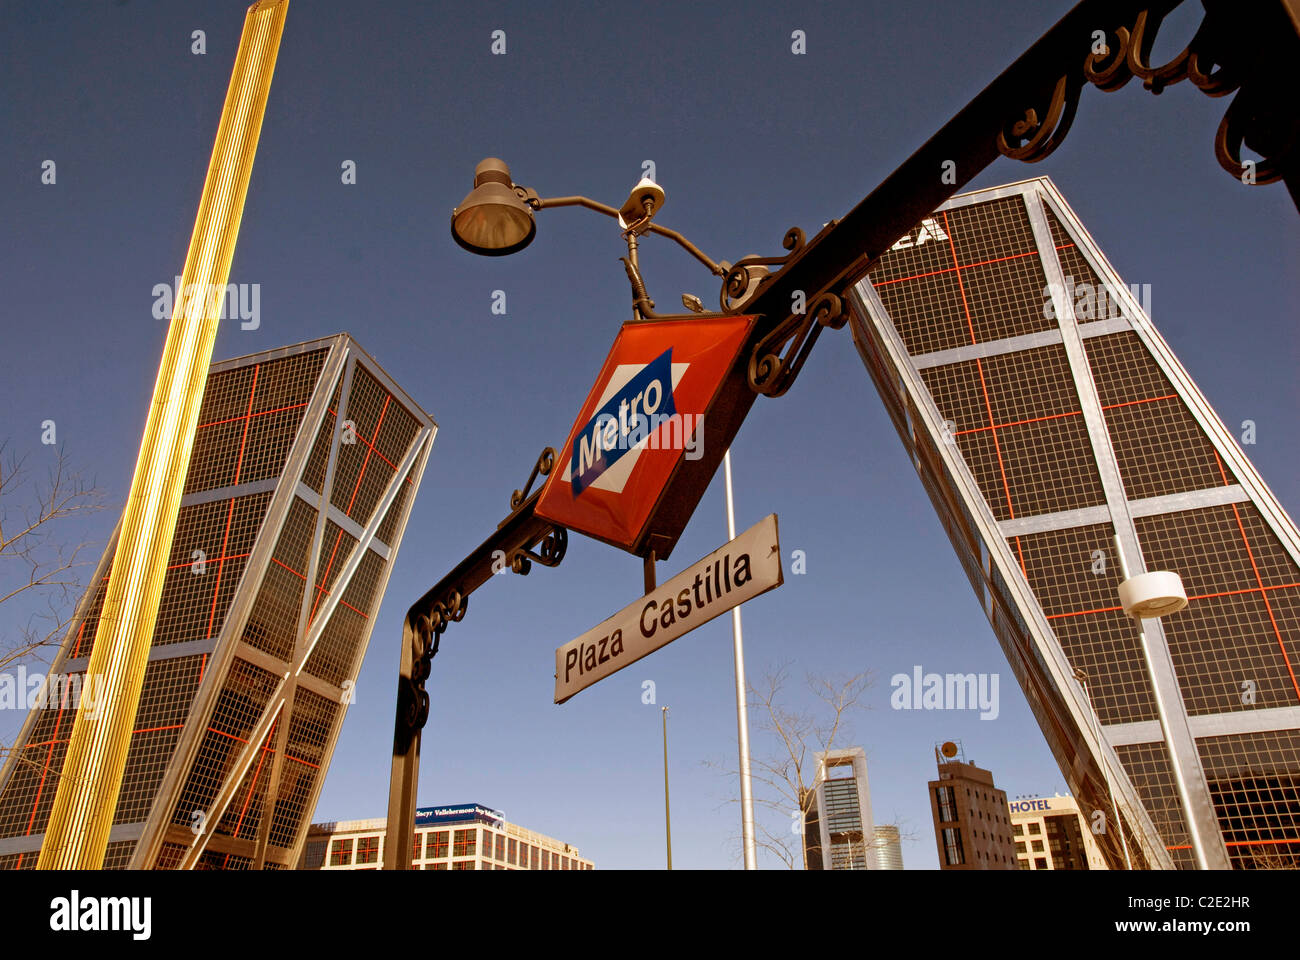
<point x="784" y="778"/>
<point x="39" y="563"/>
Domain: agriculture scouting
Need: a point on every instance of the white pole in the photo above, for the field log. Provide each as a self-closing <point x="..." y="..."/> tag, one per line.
<point x="742" y="710"/>
<point x="1175" y="766"/>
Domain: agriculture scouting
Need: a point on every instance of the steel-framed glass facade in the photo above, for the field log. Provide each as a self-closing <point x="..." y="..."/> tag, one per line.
<point x="1046" y="416"/>
<point x="304" y="467"/>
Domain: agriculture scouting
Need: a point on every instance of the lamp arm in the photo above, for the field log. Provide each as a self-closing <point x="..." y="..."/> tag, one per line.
<point x="541" y="203"/>
<point x="690" y="248"/>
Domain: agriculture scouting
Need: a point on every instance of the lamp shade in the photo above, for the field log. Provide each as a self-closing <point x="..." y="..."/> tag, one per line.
<point x="492" y="220"/>
<point x="1151" y="595"/>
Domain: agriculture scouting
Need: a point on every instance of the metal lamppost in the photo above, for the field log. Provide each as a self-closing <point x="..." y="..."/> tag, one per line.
<point x="496" y="219"/>
<point x="742" y="706"/>
<point x="668" y="822"/>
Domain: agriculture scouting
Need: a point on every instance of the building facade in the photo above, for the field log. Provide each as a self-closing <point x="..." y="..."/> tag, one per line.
<point x="1052" y="834"/>
<point x="972" y="823"/>
<point x="838" y="829"/>
<point x="305" y="464"/>
<point x="1046" y="416"/>
<point x="889" y="847"/>
<point x="464" y="836"/>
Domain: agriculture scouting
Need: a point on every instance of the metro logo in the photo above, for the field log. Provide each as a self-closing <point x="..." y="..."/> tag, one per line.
<point x="645" y="414"/>
<point x="625" y="420"/>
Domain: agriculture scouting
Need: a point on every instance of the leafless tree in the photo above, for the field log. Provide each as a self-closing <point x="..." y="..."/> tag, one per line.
<point x="1268" y="857"/>
<point x="785" y="774"/>
<point x="39" y="561"/>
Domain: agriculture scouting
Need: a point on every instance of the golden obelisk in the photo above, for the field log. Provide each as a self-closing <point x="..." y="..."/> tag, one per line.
<point x="77" y="834"/>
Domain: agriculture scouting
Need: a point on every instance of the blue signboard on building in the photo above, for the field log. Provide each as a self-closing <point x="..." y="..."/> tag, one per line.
<point x="458" y="813"/>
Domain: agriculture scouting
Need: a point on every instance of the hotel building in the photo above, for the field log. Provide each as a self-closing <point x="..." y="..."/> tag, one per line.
<point x="1052" y="834"/>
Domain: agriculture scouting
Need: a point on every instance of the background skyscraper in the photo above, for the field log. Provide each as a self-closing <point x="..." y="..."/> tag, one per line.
<point x="305" y="464"/>
<point x="839" y="833"/>
<point x="972" y="823"/>
<point x="1046" y="415"/>
<point x="889" y="847"/>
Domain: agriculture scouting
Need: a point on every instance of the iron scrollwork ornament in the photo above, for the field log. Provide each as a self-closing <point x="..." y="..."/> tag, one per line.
<point x="550" y="551"/>
<point x="555" y="542"/>
<point x="772" y="374"/>
<point x="543" y="467"/>
<point x="1030" y="138"/>
<point x="425" y="634"/>
<point x="736" y="283"/>
<point x="1120" y="52"/>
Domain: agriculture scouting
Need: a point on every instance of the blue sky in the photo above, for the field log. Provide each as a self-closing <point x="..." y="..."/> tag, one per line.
<point x="747" y="139"/>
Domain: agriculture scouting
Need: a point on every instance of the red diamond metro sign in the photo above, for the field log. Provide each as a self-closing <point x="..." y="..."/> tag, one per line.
<point x="646" y="422"/>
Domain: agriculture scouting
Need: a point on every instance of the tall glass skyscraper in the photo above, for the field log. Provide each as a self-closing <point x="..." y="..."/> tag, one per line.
<point x="1046" y="415"/>
<point x="305" y="465"/>
<point x="888" y="848"/>
<point x="839" y="833"/>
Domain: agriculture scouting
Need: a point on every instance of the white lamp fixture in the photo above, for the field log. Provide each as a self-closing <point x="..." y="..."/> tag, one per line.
<point x="1157" y="593"/>
<point x="1151" y="595"/>
<point x="647" y="192"/>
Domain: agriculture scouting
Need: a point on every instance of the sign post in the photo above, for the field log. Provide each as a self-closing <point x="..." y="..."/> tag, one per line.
<point x="744" y="568"/>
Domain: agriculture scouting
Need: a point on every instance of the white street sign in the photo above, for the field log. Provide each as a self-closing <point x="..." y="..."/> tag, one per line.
<point x="726" y="578"/>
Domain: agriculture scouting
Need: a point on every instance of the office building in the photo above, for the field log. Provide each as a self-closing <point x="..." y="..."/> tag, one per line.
<point x="1046" y="416"/>
<point x="972" y="824"/>
<point x="305" y="464"/>
<point x="464" y="836"/>
<point x="889" y="847"/>
<point x="1052" y="834"/>
<point x="838" y="830"/>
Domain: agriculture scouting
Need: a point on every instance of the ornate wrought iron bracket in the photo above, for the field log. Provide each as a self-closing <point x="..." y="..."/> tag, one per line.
<point x="1220" y="58"/>
<point x="776" y="359"/>
<point x="739" y="277"/>
<point x="523" y="539"/>
<point x="550" y="551"/>
<point x="424" y="634"/>
<point x="543" y="467"/>
<point x="555" y="542"/>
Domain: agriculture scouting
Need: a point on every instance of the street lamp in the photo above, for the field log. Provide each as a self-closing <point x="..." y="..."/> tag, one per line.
<point x="668" y="823"/>
<point x="493" y="220"/>
<point x="496" y="219"/>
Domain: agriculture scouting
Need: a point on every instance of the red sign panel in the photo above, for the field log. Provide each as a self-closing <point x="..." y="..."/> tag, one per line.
<point x="646" y="414"/>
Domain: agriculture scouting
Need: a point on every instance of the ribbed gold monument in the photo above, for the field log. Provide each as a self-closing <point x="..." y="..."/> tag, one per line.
<point x="78" y="831"/>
